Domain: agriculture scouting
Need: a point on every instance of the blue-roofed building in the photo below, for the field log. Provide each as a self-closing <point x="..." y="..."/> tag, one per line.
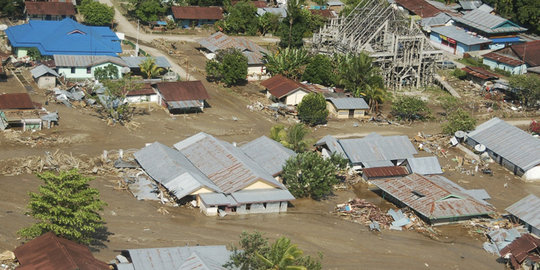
<point x="66" y="37"/>
<point x="457" y="40"/>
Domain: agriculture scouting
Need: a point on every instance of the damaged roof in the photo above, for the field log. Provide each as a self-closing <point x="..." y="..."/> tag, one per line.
<point x="527" y="209"/>
<point x="50" y="252"/>
<point x="269" y="154"/>
<point x="333" y="145"/>
<point x="434" y="197"/>
<point x="520" y="249"/>
<point x="509" y="142"/>
<point x="226" y="165"/>
<point x="480" y="73"/>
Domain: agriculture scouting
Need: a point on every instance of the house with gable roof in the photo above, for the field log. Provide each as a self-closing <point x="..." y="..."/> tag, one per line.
<point x="50" y="11"/>
<point x="516" y="58"/>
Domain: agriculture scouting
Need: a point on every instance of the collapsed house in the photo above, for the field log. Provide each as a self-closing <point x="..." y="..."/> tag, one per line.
<point x="523" y="253"/>
<point x="513" y="148"/>
<point x="219" y="176"/>
<point x="49" y="251"/>
<point x="17" y="110"/>
<point x="181" y="258"/>
<point x="527" y="210"/>
<point x="434" y="198"/>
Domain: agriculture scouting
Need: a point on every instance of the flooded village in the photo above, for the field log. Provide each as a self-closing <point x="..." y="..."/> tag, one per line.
<point x="284" y="134"/>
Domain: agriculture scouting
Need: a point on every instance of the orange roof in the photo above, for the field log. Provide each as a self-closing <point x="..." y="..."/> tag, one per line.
<point x="280" y="86"/>
<point x="391" y="171"/>
<point x="197" y="13"/>
<point x="419" y="7"/>
<point x="182" y="91"/>
<point x="480" y="73"/>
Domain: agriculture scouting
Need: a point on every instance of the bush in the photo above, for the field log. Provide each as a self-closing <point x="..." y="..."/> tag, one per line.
<point x="312" y="110"/>
<point x="291" y="137"/>
<point x="309" y="175"/>
<point x="449" y="103"/>
<point x="535" y="127"/>
<point x="319" y="70"/>
<point x="230" y="66"/>
<point x="460" y="74"/>
<point x="96" y="13"/>
<point x="459" y="120"/>
<point x="411" y="108"/>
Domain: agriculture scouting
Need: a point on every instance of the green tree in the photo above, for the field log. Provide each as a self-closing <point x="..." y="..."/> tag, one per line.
<point x="109" y="72"/>
<point x="312" y="110"/>
<point x="242" y="19"/>
<point x="67" y="206"/>
<point x="96" y="13"/>
<point x="287" y="62"/>
<point x="411" y="108"/>
<point x="356" y="72"/>
<point x="268" y="23"/>
<point x="282" y="255"/>
<point x="528" y="13"/>
<point x="528" y="87"/>
<point x="292" y="137"/>
<point x="149" y="68"/>
<point x="34" y="54"/>
<point x="309" y="175"/>
<point x="293" y="26"/>
<point x="375" y="96"/>
<point x="149" y="10"/>
<point x="459" y="120"/>
<point x="230" y="66"/>
<point x="319" y="70"/>
<point x="12" y="9"/>
<point x="114" y="105"/>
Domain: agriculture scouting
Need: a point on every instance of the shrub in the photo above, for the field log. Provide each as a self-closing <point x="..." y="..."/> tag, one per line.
<point x="411" y="108"/>
<point x="312" y="110"/>
<point x="460" y="74"/>
<point x="459" y="120"/>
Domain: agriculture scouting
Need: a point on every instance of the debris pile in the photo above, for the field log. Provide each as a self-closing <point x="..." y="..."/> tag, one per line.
<point x="7" y="260"/>
<point x="37" y="139"/>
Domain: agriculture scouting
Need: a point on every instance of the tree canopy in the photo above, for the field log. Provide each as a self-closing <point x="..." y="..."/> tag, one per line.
<point x="294" y="26"/>
<point x="268" y="23"/>
<point x="147" y="10"/>
<point x="528" y="87"/>
<point x="12" y="9"/>
<point x="230" y="67"/>
<point x="96" y="13"/>
<point x="149" y="68"/>
<point x="292" y="137"/>
<point x="459" y="119"/>
<point x="242" y="19"/>
<point x="312" y="110"/>
<point x="67" y="206"/>
<point x="287" y="62"/>
<point x="109" y="72"/>
<point x="319" y="70"/>
<point x="114" y="105"/>
<point x="410" y="108"/>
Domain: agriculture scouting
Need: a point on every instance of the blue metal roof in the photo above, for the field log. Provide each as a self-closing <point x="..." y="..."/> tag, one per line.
<point x="64" y="37"/>
<point x="505" y="40"/>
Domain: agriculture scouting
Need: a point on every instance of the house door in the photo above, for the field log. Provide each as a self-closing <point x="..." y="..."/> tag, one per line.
<point x="351" y="113"/>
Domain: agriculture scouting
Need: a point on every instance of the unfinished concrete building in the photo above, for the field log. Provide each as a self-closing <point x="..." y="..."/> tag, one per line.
<point x="397" y="45"/>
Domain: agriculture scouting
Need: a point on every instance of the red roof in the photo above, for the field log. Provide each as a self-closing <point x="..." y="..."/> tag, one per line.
<point x="181" y="91"/>
<point x="327" y="13"/>
<point x="50" y="8"/>
<point x="146" y="89"/>
<point x="520" y="249"/>
<point x="480" y="73"/>
<point x="257" y="4"/>
<point x="390" y="171"/>
<point x="280" y="86"/>
<point x="50" y="252"/>
<point x="503" y="59"/>
<point x="529" y="52"/>
<point x="16" y="101"/>
<point x="419" y="7"/>
<point x="197" y="13"/>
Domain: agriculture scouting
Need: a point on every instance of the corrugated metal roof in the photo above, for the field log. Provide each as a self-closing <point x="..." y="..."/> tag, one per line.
<point x="470" y="5"/>
<point x="185" y="104"/>
<point x="86" y="60"/>
<point x="220" y="41"/>
<point x="459" y="35"/>
<point x="527" y="209"/>
<point x="349" y="103"/>
<point x="485" y="8"/>
<point x="439" y="19"/>
<point x="488" y="23"/>
<point x="378" y="172"/>
<point x="135" y="61"/>
<point x="520" y="248"/>
<point x="50" y="252"/>
<point x="479" y="72"/>
<point x="479" y="194"/>
<point x="269" y="154"/>
<point x="197" y="261"/>
<point x="42" y="70"/>
<point x="16" y="101"/>
<point x="419" y="7"/>
<point x="262" y="195"/>
<point x="227" y="166"/>
<point x="50" y="8"/>
<point x="280" y="86"/>
<point x="509" y="142"/>
<point x="174" y="257"/>
<point x="377" y="163"/>
<point x="434" y="197"/>
<point x="197" y="13"/>
<point x="173" y="170"/>
<point x="503" y="59"/>
<point x="372" y="149"/>
<point x="332" y="144"/>
<point x="212" y="199"/>
<point x="182" y="91"/>
<point x="424" y="165"/>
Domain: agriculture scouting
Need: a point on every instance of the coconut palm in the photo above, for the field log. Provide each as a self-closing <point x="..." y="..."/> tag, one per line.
<point x="375" y="96"/>
<point x="287" y="62"/>
<point x="149" y="68"/>
<point x="282" y="256"/>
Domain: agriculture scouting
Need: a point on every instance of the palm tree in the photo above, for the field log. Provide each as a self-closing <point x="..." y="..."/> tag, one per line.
<point x="287" y="62"/>
<point x="375" y="96"/>
<point x="149" y="68"/>
<point x="282" y="256"/>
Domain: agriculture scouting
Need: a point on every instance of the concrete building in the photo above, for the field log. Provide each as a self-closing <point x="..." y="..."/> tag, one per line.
<point x="456" y="40"/>
<point x="284" y="90"/>
<point x="527" y="210"/>
<point x="44" y="76"/>
<point x="80" y="67"/>
<point x="49" y="11"/>
<point x="347" y="107"/>
<point x="144" y="93"/>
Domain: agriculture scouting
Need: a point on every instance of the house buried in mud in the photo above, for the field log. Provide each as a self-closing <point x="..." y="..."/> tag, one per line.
<point x="220" y="177"/>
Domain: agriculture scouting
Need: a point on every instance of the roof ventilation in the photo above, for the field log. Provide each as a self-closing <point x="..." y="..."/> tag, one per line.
<point x="77" y="31"/>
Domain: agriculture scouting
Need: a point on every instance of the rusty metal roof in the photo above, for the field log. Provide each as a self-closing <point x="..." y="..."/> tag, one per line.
<point x="419" y="7"/>
<point x="503" y="58"/>
<point x="144" y="89"/>
<point x="280" y="86"/>
<point x="391" y="171"/>
<point x="226" y="165"/>
<point x="197" y="13"/>
<point x="16" y="101"/>
<point x="520" y="248"/>
<point x="480" y="73"/>
<point x="434" y="197"/>
<point x="181" y="91"/>
<point x="50" y="252"/>
<point x="50" y="8"/>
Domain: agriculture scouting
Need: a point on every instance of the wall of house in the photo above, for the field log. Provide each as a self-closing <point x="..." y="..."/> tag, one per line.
<point x="258" y="185"/>
<point x="81" y="72"/>
<point x="534" y="230"/>
<point x="295" y="98"/>
<point x="522" y="69"/>
<point x="47" y="17"/>
<point x="196" y="23"/>
<point x="262" y="208"/>
<point x="21" y="52"/>
<point x="256" y="70"/>
<point x="208" y="210"/>
<point x="46" y="82"/>
<point x="142" y="98"/>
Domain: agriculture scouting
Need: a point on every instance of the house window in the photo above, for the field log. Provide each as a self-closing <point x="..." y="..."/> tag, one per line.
<point x="88" y="70"/>
<point x="72" y="70"/>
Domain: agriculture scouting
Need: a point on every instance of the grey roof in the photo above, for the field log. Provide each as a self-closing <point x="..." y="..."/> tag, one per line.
<point x="470" y="5"/>
<point x="371" y="149"/>
<point x="185" y="104"/>
<point x="332" y="144"/>
<point x="443" y="6"/>
<point x="488" y="23"/>
<point x="269" y="154"/>
<point x="485" y="8"/>
<point x="226" y="165"/>
<point x="509" y="142"/>
<point x="335" y="3"/>
<point x="280" y="11"/>
<point x="217" y="199"/>
<point x="439" y="19"/>
<point x="135" y="61"/>
<point x="479" y="194"/>
<point x="349" y="103"/>
<point x="42" y="70"/>
<point x="175" y="258"/>
<point x="425" y="165"/>
<point x="262" y="195"/>
<point x="197" y="261"/>
<point x="377" y="163"/>
<point x="86" y="60"/>
<point x="219" y="41"/>
<point x="527" y="209"/>
<point x="459" y="34"/>
<point x="172" y="169"/>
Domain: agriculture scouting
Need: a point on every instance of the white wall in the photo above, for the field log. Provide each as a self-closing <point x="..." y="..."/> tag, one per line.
<point x="295" y="98"/>
<point x="143" y="98"/>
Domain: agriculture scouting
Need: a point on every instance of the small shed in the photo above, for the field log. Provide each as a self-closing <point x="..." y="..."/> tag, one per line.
<point x="285" y="90"/>
<point x="44" y="76"/>
<point x="196" y="16"/>
<point x="144" y="93"/>
<point x="384" y="172"/>
<point x="527" y="210"/>
<point x="347" y="107"/>
<point x="480" y="75"/>
<point x="182" y="96"/>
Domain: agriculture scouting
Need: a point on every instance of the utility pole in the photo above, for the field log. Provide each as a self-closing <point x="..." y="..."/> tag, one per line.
<point x="137" y="45"/>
